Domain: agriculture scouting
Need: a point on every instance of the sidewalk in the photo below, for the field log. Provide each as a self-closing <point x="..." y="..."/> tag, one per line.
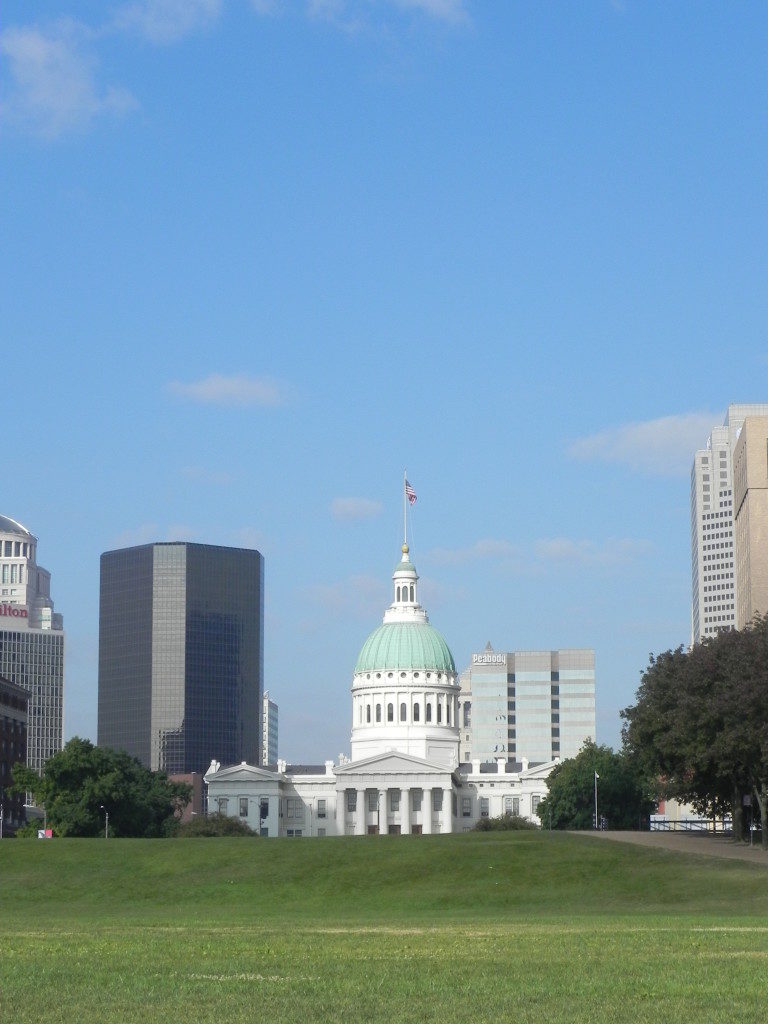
<point x="686" y="842"/>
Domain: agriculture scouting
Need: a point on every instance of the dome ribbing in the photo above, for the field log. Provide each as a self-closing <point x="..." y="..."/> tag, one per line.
<point x="405" y="646"/>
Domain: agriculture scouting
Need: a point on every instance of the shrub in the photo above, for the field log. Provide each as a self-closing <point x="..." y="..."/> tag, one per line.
<point x="505" y="823"/>
<point x="213" y="825"/>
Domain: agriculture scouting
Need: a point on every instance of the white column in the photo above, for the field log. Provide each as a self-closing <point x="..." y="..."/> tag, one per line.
<point x="447" y="810"/>
<point x="383" y="812"/>
<point x="360" y="813"/>
<point x="426" y="812"/>
<point x="341" y="804"/>
<point x="405" y="812"/>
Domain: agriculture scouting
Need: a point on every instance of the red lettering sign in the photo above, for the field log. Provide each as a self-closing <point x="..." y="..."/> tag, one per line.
<point x="14" y="610"/>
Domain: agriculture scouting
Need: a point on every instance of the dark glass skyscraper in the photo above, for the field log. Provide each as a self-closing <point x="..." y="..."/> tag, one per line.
<point x="181" y="648"/>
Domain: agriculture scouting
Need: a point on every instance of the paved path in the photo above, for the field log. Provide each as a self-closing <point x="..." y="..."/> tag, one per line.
<point x="687" y="842"/>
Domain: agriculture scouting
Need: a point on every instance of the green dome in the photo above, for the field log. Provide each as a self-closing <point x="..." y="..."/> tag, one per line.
<point x="405" y="645"/>
<point x="407" y="566"/>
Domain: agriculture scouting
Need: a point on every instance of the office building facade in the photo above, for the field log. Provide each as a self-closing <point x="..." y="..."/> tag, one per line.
<point x="713" y="569"/>
<point x="14" y="702"/>
<point x="181" y="642"/>
<point x="750" y="505"/>
<point x="31" y="640"/>
<point x="268" y="731"/>
<point x="537" y="705"/>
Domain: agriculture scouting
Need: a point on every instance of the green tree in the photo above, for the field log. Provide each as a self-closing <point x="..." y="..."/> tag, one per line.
<point x="624" y="798"/>
<point x="82" y="781"/>
<point x="214" y="825"/>
<point x="700" y="723"/>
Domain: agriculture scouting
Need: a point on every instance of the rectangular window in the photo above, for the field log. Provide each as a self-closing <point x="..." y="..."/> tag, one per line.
<point x="351" y="800"/>
<point x="484" y="807"/>
<point x="437" y="799"/>
<point x="289" y="807"/>
<point x="321" y="831"/>
<point x="466" y="806"/>
<point x="416" y="799"/>
<point x="373" y="799"/>
<point x="243" y="806"/>
<point x="263" y="807"/>
<point x="535" y="801"/>
<point x="299" y="811"/>
<point x="321" y="808"/>
<point x="222" y="804"/>
<point x="394" y="800"/>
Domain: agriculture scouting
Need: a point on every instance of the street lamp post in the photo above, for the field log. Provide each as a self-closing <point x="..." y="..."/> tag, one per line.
<point x="106" y="821"/>
<point x="596" y="818"/>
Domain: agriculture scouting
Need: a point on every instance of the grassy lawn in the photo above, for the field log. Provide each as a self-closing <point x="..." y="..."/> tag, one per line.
<point x="519" y="927"/>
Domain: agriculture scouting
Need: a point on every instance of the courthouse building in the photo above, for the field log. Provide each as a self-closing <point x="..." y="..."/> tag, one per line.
<point x="404" y="774"/>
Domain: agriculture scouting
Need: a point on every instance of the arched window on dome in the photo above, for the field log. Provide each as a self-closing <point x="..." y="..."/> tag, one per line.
<point x="415" y="712"/>
<point x="428" y="713"/>
<point x="360" y="714"/>
<point x="378" y="712"/>
<point x="403" y="711"/>
<point x="411" y="592"/>
<point x="439" y="713"/>
<point x="398" y="593"/>
<point x="368" y="714"/>
<point x="448" y="712"/>
<point x="390" y="712"/>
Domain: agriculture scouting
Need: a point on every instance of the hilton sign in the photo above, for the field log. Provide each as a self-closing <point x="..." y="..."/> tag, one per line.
<point x="486" y="658"/>
<point x="12" y="609"/>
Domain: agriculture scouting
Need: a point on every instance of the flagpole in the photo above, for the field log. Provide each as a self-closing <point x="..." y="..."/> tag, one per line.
<point x="405" y="508"/>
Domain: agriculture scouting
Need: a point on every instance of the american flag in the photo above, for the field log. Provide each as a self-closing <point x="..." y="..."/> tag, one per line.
<point x="410" y="493"/>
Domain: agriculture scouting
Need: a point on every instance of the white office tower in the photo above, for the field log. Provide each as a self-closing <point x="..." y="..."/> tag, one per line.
<point x="713" y="571"/>
<point x="268" y="730"/>
<point x="31" y="639"/>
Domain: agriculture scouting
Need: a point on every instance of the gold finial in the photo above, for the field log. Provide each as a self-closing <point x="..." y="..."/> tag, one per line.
<point x="405" y="549"/>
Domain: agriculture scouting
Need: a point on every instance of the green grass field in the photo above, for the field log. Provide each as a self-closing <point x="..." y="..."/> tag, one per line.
<point x="491" y="927"/>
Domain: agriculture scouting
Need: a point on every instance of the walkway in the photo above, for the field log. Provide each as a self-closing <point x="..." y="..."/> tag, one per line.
<point x="687" y="842"/>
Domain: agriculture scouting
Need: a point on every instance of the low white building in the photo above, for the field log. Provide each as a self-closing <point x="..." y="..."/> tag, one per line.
<point x="404" y="775"/>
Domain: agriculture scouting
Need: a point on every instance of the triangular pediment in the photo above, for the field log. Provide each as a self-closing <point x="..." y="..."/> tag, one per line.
<point x="540" y="771"/>
<point x="243" y="773"/>
<point x="393" y="762"/>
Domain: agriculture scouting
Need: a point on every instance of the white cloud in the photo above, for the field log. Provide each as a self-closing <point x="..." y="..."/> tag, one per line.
<point x="53" y="88"/>
<point x="444" y="10"/>
<point x="249" y="537"/>
<point x="209" y="477"/>
<point x="612" y="552"/>
<point x="663" y="446"/>
<point x="167" y="21"/>
<point x="346" y="509"/>
<point x="362" y="596"/>
<point x="237" y="390"/>
<point x="481" y="549"/>
<point x="151" y="533"/>
<point x="544" y="552"/>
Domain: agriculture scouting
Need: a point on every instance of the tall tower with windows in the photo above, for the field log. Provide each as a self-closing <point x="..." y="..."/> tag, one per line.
<point x="31" y="640"/>
<point x="713" y="567"/>
<point x="405" y="690"/>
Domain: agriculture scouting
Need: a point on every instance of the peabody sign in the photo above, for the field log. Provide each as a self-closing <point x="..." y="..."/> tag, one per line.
<point x="12" y="609"/>
<point x="488" y="658"/>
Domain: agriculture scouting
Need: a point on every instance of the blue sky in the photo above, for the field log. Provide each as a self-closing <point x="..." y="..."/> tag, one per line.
<point x="261" y="256"/>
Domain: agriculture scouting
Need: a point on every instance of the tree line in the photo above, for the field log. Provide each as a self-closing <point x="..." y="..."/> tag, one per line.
<point x="699" y="725"/>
